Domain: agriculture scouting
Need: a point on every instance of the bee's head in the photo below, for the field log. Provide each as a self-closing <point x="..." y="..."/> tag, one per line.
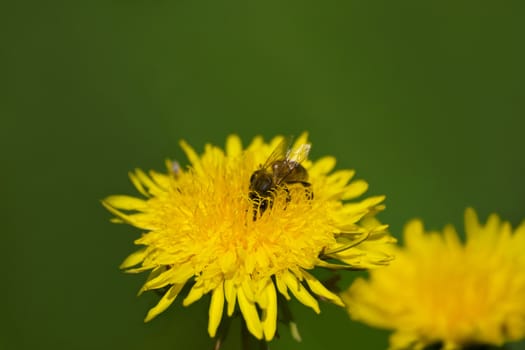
<point x="261" y="182"/>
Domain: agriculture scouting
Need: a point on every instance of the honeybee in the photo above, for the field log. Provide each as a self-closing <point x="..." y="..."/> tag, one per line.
<point x="281" y="169"/>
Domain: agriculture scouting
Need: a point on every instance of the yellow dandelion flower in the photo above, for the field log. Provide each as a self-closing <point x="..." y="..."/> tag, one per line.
<point x="441" y="292"/>
<point x="206" y="229"/>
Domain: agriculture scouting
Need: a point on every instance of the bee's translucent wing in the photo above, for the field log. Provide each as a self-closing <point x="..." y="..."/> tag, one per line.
<point x="279" y="153"/>
<point x="299" y="153"/>
<point x="292" y="164"/>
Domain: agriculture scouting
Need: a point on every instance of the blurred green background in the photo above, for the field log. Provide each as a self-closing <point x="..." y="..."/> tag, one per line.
<point x="425" y="100"/>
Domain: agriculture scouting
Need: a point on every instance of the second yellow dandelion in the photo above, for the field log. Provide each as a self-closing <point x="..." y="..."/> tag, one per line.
<point x="439" y="291"/>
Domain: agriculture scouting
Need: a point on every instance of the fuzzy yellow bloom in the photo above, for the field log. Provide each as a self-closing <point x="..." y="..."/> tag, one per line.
<point x="203" y="230"/>
<point x="439" y="290"/>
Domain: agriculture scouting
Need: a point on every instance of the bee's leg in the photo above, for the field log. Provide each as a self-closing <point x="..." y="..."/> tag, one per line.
<point x="288" y="195"/>
<point x="265" y="204"/>
<point x="307" y="190"/>
<point x="260" y="204"/>
<point x="256" y="201"/>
